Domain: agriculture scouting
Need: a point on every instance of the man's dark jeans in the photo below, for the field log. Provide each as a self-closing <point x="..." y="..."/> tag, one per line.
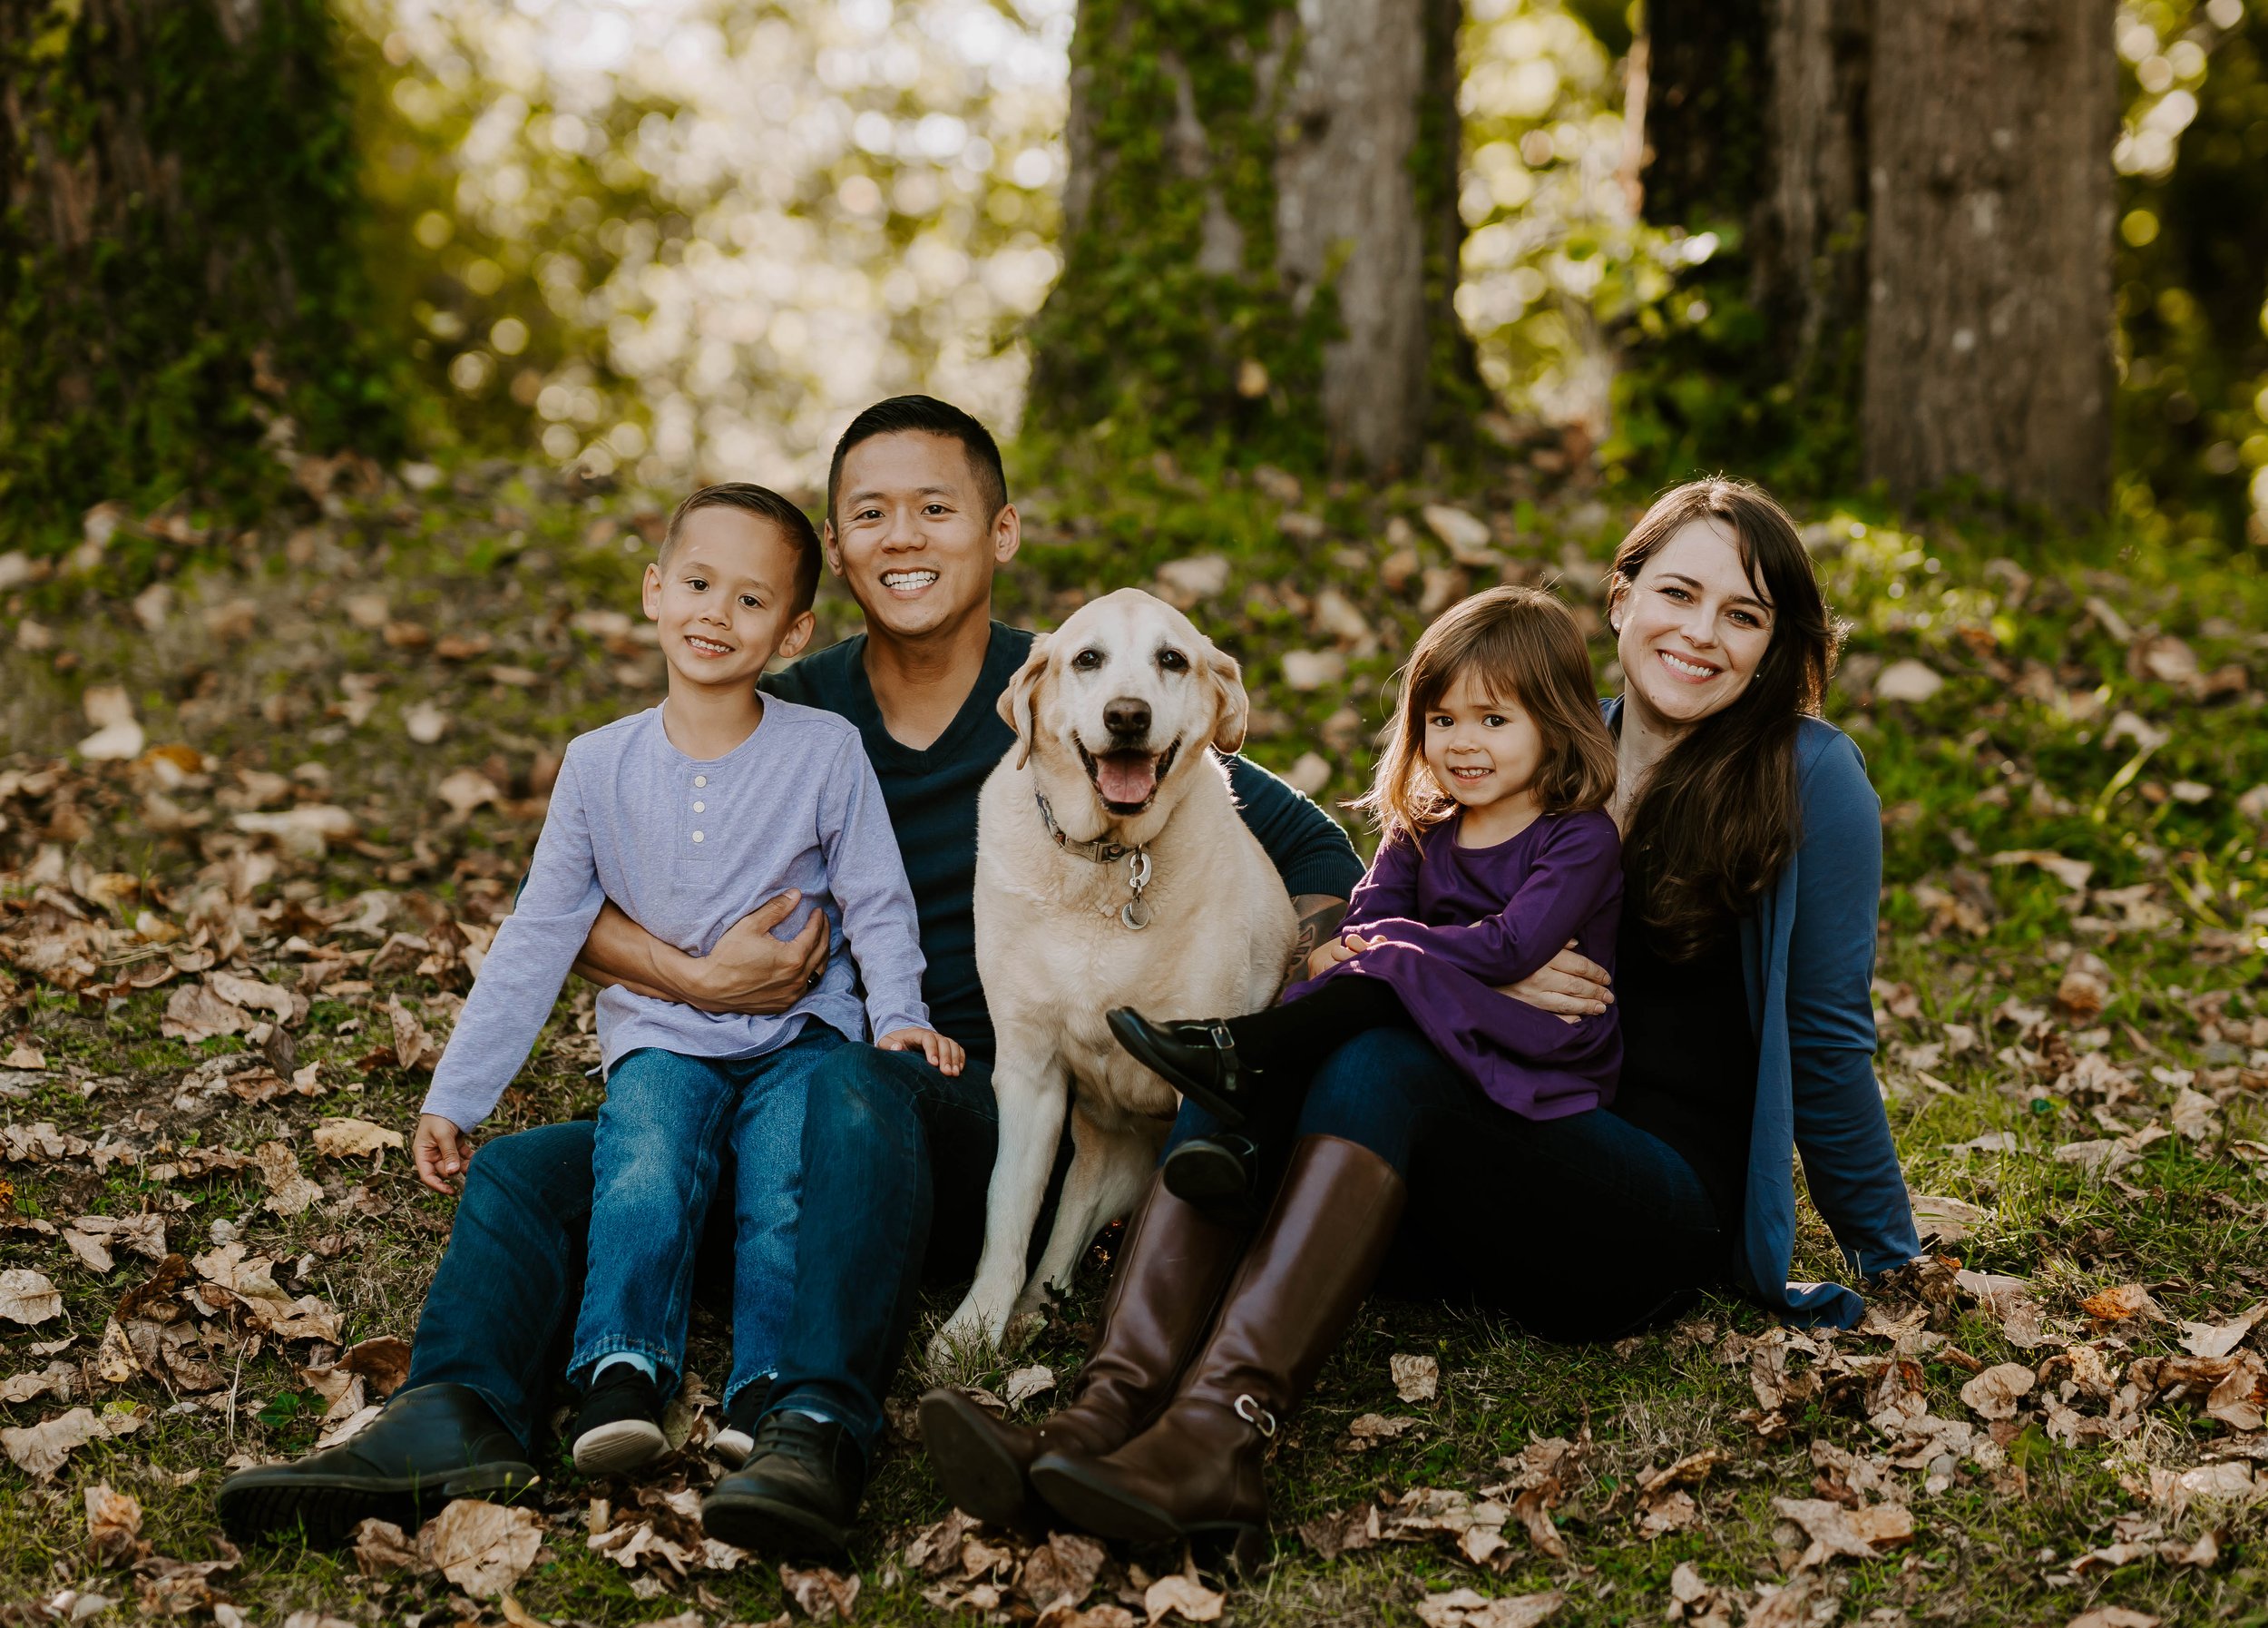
<point x="1578" y="1228"/>
<point x="896" y="1160"/>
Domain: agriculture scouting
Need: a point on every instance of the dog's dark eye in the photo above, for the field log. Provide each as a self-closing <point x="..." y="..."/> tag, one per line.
<point x="1173" y="660"/>
<point x="1087" y="661"/>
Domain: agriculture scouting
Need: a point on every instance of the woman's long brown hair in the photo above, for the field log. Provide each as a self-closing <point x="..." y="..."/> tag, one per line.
<point x="1718" y="815"/>
<point x="1521" y="645"/>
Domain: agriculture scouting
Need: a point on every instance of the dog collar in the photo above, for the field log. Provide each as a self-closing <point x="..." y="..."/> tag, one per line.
<point x="1134" y="913"/>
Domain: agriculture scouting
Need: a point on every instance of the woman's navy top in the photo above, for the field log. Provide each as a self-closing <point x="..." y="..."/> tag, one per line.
<point x="1807" y="971"/>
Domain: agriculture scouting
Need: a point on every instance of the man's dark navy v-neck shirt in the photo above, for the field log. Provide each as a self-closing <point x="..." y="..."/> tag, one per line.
<point x="931" y="796"/>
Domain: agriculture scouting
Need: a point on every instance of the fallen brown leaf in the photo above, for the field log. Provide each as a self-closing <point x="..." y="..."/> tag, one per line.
<point x="381" y="1547"/>
<point x="289" y="1192"/>
<point x="198" y="1012"/>
<point x="40" y="1449"/>
<point x="1062" y="1572"/>
<point x="1181" y="1596"/>
<point x="1415" y="1379"/>
<point x="1465" y="1608"/>
<point x="353" y="1138"/>
<point x="481" y="1547"/>
<point x="820" y="1593"/>
<point x="2118" y="1303"/>
<point x="1994" y="1393"/>
<point x="1834" y="1530"/>
<point x="27" y="1297"/>
<point x="114" y="1523"/>
<point x="2218" y="1340"/>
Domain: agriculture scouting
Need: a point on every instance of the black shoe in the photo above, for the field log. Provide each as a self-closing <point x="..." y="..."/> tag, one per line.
<point x="430" y="1445"/>
<point x="1213" y="1175"/>
<point x="619" y="1425"/>
<point x="737" y="1440"/>
<point x="1196" y="1059"/>
<point x="796" y="1495"/>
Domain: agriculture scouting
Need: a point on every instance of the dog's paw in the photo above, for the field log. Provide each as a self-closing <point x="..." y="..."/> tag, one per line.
<point x="974" y="1327"/>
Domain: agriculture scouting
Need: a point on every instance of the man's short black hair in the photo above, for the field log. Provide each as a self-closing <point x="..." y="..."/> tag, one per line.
<point x="935" y="418"/>
<point x="765" y="504"/>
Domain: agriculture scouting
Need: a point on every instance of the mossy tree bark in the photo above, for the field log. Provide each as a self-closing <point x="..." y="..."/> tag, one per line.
<point x="1924" y="193"/>
<point x="1988" y="253"/>
<point x="184" y="266"/>
<point x="1261" y="233"/>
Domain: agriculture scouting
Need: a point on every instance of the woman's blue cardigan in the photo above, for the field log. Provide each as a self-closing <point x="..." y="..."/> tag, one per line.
<point x="1807" y="955"/>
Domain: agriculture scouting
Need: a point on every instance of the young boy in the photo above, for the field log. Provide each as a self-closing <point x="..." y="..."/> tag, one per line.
<point x="687" y="816"/>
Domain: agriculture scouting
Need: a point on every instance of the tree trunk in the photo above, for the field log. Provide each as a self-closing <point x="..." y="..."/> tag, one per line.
<point x="1261" y="233"/>
<point x="183" y="268"/>
<point x="1989" y="339"/>
<point x="1923" y="192"/>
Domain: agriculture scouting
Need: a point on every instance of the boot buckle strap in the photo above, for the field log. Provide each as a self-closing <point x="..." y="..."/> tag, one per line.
<point x="1217" y="1033"/>
<point x="1259" y="1418"/>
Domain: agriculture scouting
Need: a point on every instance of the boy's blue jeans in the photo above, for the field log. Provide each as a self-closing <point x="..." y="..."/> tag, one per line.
<point x="670" y="1125"/>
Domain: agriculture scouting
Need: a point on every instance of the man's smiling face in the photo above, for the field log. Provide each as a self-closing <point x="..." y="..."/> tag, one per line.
<point x="912" y="537"/>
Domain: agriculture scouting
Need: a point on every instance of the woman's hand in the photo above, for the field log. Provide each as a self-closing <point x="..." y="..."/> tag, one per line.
<point x="1570" y="986"/>
<point x="944" y="1055"/>
<point x="440" y="1151"/>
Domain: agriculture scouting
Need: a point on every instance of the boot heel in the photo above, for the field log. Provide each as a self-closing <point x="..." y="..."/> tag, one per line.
<point x="1244" y="1551"/>
<point x="1210" y="1176"/>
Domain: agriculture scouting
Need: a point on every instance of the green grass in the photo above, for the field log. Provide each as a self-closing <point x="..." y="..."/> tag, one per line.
<point x="2008" y="754"/>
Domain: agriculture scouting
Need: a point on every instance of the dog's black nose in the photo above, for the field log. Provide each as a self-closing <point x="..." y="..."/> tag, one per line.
<point x="1124" y="717"/>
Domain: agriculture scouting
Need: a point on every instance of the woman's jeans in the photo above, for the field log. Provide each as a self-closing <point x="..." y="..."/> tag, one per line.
<point x="1578" y="1228"/>
<point x="671" y="1123"/>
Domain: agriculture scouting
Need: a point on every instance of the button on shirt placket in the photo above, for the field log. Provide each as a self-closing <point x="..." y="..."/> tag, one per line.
<point x="698" y="846"/>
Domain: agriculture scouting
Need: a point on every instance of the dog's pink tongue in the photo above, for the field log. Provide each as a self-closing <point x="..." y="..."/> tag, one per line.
<point x="1126" y="777"/>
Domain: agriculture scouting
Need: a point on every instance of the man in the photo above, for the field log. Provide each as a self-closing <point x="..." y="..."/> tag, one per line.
<point x="897" y="1155"/>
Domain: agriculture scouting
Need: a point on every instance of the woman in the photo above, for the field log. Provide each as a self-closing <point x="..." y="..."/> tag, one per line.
<point x="1753" y="863"/>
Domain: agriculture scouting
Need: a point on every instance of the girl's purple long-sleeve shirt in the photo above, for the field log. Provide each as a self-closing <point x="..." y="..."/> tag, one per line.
<point x="1462" y="922"/>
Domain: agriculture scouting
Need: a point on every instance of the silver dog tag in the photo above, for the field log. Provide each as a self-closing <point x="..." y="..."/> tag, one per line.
<point x="1135" y="914"/>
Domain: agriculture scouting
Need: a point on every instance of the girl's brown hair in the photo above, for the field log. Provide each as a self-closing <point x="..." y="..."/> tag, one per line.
<point x="1718" y="815"/>
<point x="1522" y="645"/>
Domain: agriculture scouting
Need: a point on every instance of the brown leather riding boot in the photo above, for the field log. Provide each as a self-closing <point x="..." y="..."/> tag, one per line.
<point x="1197" y="1472"/>
<point x="1168" y="1279"/>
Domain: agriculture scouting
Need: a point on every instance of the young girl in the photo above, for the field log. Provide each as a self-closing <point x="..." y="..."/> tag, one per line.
<point x="1495" y="853"/>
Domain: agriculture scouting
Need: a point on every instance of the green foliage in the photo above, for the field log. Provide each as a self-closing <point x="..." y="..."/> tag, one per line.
<point x="2192" y="266"/>
<point x="1702" y="388"/>
<point x="178" y="300"/>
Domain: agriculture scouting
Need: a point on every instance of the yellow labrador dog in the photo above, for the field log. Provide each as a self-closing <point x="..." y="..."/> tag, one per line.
<point x="1112" y="870"/>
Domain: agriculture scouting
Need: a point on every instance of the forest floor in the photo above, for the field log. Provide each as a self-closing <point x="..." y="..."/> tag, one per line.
<point x="265" y="796"/>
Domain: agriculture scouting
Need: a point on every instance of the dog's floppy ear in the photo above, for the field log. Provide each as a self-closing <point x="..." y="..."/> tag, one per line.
<point x="1016" y="702"/>
<point x="1232" y="707"/>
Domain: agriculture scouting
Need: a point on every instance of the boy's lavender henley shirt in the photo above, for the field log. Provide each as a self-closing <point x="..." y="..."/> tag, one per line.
<point x="686" y="849"/>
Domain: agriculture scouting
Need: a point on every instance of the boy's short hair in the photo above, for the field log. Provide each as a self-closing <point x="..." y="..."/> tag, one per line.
<point x="767" y="504"/>
<point x="931" y="417"/>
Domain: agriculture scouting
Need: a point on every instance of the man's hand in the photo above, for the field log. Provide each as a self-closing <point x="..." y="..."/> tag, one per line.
<point x="440" y="1151"/>
<point x="944" y="1055"/>
<point x="752" y="971"/>
<point x="1570" y="986"/>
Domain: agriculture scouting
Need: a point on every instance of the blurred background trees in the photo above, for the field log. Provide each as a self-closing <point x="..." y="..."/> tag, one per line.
<point x="184" y="293"/>
<point x="1925" y="191"/>
<point x="2015" y="248"/>
<point x="1261" y="236"/>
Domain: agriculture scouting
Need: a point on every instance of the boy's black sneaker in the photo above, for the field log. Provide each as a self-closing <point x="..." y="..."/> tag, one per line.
<point x="1213" y="1176"/>
<point x="737" y="1438"/>
<point x="620" y="1426"/>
